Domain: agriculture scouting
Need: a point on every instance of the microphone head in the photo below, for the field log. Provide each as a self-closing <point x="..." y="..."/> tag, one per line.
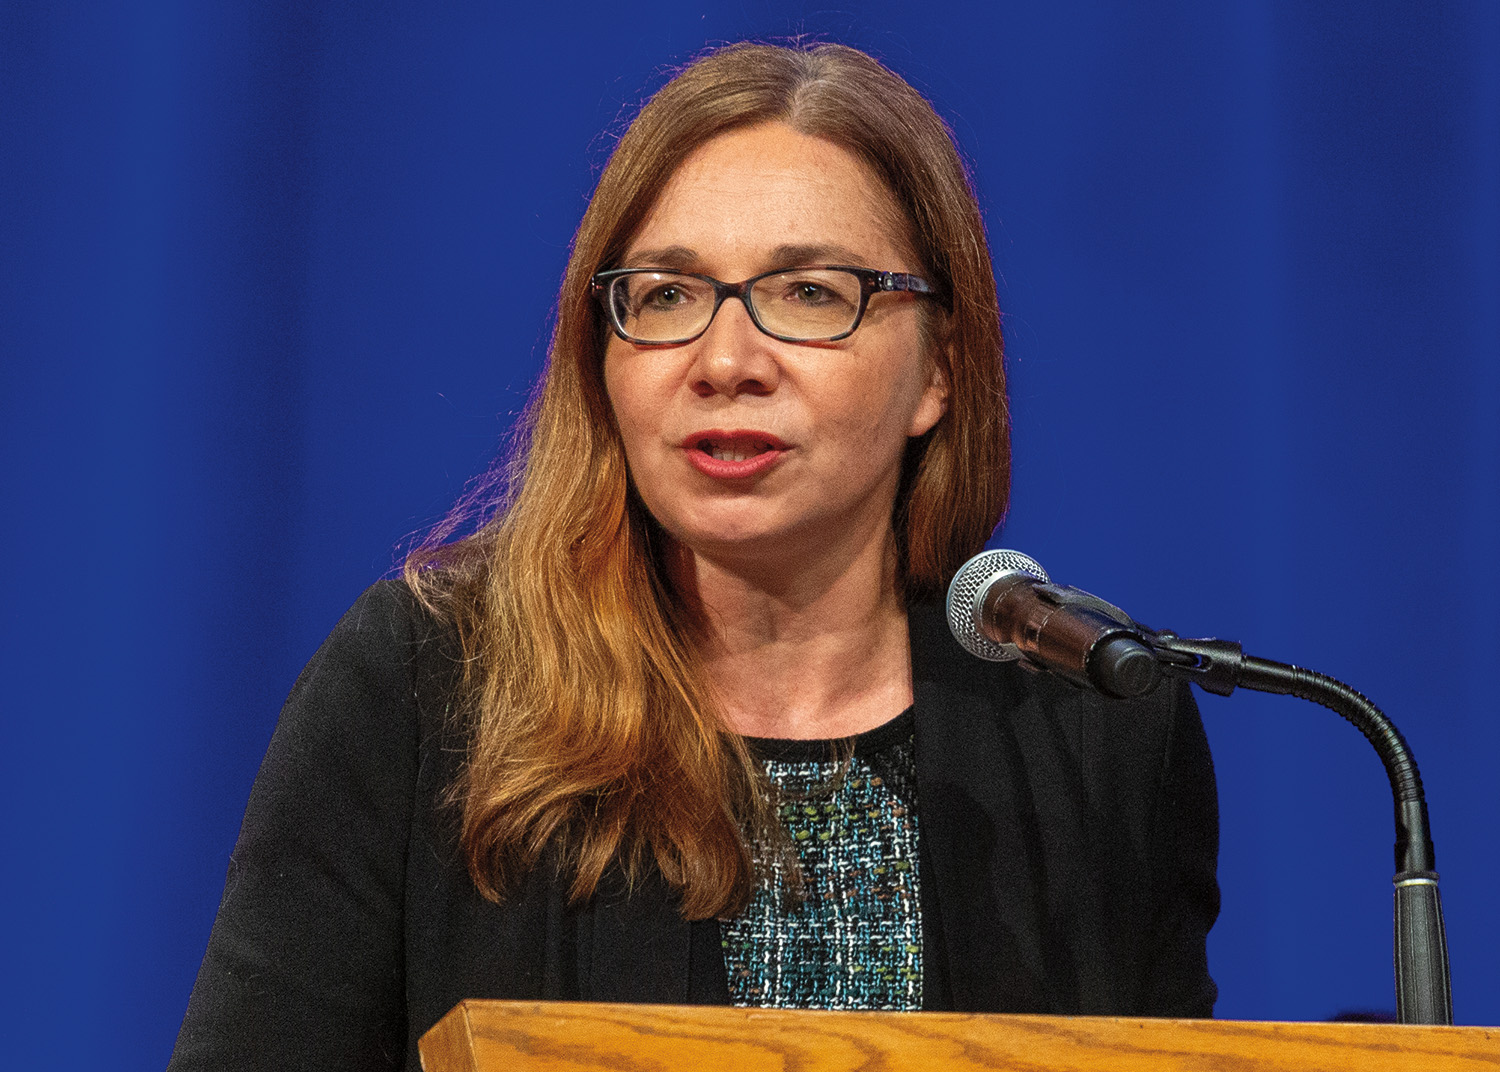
<point x="966" y="600"/>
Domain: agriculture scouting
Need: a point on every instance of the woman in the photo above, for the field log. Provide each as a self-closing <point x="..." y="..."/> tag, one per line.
<point x="682" y="722"/>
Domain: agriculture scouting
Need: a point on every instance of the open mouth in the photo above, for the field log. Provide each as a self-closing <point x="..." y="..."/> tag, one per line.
<point x="735" y="450"/>
<point x="734" y="455"/>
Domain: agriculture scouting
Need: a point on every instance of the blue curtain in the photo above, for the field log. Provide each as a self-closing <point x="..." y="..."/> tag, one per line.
<point x="275" y="278"/>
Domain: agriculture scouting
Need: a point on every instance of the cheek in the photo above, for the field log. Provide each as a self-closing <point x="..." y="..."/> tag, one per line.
<point x="893" y="400"/>
<point x="623" y="388"/>
<point x="614" y="382"/>
<point x="640" y="412"/>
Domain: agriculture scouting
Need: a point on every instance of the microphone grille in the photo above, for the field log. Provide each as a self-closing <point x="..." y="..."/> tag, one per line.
<point x="965" y="594"/>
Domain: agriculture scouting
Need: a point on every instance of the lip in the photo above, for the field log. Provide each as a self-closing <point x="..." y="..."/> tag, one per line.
<point x="769" y="452"/>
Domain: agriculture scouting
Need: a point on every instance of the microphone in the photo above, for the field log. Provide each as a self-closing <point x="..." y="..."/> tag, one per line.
<point x="1003" y="607"/>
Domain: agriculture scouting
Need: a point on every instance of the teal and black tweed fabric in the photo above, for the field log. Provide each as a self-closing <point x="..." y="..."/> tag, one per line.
<point x="853" y="940"/>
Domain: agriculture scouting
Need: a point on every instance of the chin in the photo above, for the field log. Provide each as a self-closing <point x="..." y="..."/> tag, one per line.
<point x="733" y="540"/>
<point x="754" y="539"/>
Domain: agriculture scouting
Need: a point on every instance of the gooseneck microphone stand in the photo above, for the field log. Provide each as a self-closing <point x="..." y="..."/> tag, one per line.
<point x="1003" y="606"/>
<point x="1423" y="990"/>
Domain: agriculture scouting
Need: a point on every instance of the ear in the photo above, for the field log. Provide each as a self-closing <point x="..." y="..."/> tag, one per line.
<point x="934" y="401"/>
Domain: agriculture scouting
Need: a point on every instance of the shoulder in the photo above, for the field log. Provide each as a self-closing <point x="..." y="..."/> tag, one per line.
<point x="311" y="925"/>
<point x="386" y="625"/>
<point x="1042" y="713"/>
<point x="387" y="647"/>
<point x="376" y="689"/>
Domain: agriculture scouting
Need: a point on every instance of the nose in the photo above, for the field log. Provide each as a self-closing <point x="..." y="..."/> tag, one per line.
<point x="734" y="357"/>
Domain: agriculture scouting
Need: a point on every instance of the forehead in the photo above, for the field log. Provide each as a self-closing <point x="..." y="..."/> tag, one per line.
<point x="746" y="197"/>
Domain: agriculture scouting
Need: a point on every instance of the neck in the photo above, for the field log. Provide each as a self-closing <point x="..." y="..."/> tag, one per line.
<point x="815" y="650"/>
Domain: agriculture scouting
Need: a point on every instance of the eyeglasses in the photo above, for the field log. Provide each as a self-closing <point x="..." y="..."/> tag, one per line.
<point x="822" y="304"/>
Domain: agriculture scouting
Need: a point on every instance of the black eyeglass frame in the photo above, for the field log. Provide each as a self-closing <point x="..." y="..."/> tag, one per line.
<point x="871" y="282"/>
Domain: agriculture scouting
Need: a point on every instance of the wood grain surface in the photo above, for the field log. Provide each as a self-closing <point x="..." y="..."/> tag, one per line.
<point x="504" y="1036"/>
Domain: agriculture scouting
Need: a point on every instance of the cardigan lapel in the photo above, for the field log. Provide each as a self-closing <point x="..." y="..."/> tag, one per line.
<point x="633" y="945"/>
<point x="978" y="830"/>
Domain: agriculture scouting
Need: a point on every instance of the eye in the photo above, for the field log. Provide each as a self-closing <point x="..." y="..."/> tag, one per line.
<point x="815" y="288"/>
<point x="661" y="294"/>
<point x="810" y="293"/>
<point x="665" y="296"/>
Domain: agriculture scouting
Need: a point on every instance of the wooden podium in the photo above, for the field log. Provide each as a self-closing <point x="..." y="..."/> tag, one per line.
<point x="513" y="1036"/>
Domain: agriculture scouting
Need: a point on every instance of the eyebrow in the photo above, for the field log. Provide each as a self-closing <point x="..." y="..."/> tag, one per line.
<point x="825" y="253"/>
<point x="679" y="257"/>
<point x="787" y="255"/>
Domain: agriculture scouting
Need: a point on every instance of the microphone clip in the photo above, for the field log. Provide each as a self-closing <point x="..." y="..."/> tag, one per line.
<point x="1216" y="666"/>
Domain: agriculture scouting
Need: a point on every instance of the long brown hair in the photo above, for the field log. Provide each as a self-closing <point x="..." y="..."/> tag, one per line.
<point x="593" y="733"/>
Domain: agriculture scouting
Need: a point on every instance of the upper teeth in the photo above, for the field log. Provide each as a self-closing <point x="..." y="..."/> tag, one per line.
<point x="735" y="452"/>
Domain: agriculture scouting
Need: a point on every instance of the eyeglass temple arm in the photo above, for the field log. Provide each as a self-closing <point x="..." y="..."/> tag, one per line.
<point x="904" y="281"/>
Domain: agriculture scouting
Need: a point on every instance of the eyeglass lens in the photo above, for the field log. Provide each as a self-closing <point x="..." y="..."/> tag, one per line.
<point x="805" y="303"/>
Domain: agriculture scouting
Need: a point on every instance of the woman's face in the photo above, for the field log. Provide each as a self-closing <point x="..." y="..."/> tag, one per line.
<point x="743" y="446"/>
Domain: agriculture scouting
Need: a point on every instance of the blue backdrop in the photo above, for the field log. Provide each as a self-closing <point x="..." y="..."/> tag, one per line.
<point x="275" y="278"/>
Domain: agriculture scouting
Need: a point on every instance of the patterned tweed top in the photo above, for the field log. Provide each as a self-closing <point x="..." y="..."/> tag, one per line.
<point x="853" y="939"/>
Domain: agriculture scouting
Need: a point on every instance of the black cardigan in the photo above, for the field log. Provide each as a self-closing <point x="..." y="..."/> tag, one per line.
<point x="1068" y="849"/>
